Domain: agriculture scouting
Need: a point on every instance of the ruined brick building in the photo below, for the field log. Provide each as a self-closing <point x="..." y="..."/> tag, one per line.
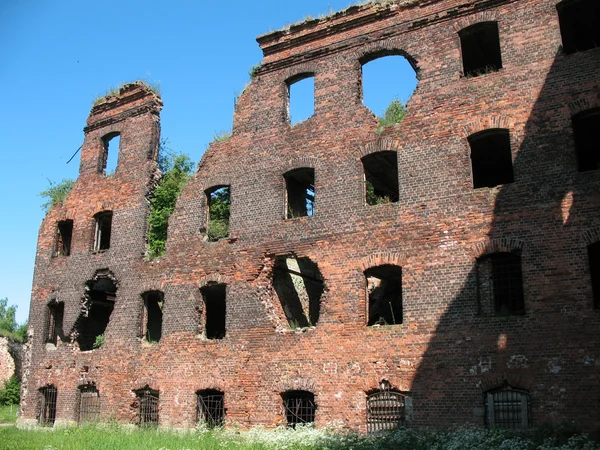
<point x="443" y="271"/>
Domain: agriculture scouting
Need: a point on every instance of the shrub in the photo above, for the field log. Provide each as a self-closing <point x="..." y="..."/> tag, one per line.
<point x="394" y="114"/>
<point x="56" y="194"/>
<point x="99" y="341"/>
<point x="10" y="394"/>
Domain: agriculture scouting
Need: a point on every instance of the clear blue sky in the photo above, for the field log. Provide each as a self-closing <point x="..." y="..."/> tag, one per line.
<point x="57" y="56"/>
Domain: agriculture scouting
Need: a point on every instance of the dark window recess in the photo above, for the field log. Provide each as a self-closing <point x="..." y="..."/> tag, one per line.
<point x="97" y="306"/>
<point x="147" y="403"/>
<point x="586" y="128"/>
<point x="103" y="230"/>
<point x="110" y="155"/>
<point x="64" y="234"/>
<point x="47" y="400"/>
<point x="507" y="408"/>
<point x="299" y="286"/>
<point x="89" y="404"/>
<point x="219" y="205"/>
<point x="594" y="257"/>
<point x="55" y="322"/>
<point x="501" y="280"/>
<point x="480" y="47"/>
<point x="381" y="177"/>
<point x="153" y="315"/>
<point x="299" y="407"/>
<point x="214" y="296"/>
<point x="209" y="408"/>
<point x="491" y="158"/>
<point x="384" y="288"/>
<point x="300" y="190"/>
<point x="385" y="409"/>
<point x="301" y="97"/>
<point x="579" y="24"/>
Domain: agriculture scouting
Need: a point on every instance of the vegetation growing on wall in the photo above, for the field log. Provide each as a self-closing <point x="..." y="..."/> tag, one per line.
<point x="177" y="169"/>
<point x="56" y="193"/>
<point x="394" y="114"/>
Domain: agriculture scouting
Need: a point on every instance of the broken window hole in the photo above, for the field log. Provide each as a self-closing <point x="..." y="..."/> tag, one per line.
<point x="89" y="404"/>
<point x="491" y="158"/>
<point x="381" y="177"/>
<point x="385" y="408"/>
<point x="301" y="97"/>
<point x="55" y="322"/>
<point x="507" y="408"/>
<point x="103" y="230"/>
<point x="594" y="259"/>
<point x="300" y="192"/>
<point x="96" y="308"/>
<point x="47" y="405"/>
<point x="111" y="145"/>
<point x="501" y="281"/>
<point x="210" y="408"/>
<point x="586" y="129"/>
<point x="64" y="233"/>
<point x="219" y="206"/>
<point x="153" y="316"/>
<point x="299" y="286"/>
<point x="384" y="289"/>
<point x="480" y="47"/>
<point x="579" y="24"/>
<point x="147" y="407"/>
<point x="215" y="307"/>
<point x="299" y="407"/>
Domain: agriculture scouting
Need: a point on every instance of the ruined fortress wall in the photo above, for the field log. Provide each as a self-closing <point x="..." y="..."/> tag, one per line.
<point x="450" y="348"/>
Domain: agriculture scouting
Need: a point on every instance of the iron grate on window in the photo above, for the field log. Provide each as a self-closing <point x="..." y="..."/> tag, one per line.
<point x="148" y="407"/>
<point x="385" y="410"/>
<point x="209" y="408"/>
<point x="299" y="407"/>
<point x="48" y="406"/>
<point x="508" y="408"/>
<point x="89" y="404"/>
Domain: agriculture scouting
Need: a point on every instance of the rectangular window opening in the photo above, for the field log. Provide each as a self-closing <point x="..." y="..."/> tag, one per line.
<point x="210" y="408"/>
<point x="112" y="144"/>
<point x="480" y="47"/>
<point x="501" y="281"/>
<point x="384" y="288"/>
<point x="55" y="322"/>
<point x="586" y="129"/>
<point x="63" y="238"/>
<point x="381" y="177"/>
<point x="301" y="101"/>
<point x="300" y="190"/>
<point x="153" y="312"/>
<point x="215" y="310"/>
<point x="103" y="231"/>
<point x="594" y="259"/>
<point x="219" y="208"/>
<point x="491" y="158"/>
<point x="579" y="24"/>
<point x="299" y="407"/>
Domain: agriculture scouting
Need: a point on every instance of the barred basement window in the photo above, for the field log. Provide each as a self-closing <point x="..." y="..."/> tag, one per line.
<point x="501" y="281"/>
<point x="209" y="408"/>
<point x="47" y="405"/>
<point x="64" y="234"/>
<point x="300" y="192"/>
<point x="480" y="47"/>
<point x="147" y="400"/>
<point x="385" y="409"/>
<point x="508" y="408"/>
<point x="579" y="24"/>
<point x="381" y="177"/>
<point x="384" y="289"/>
<point x="89" y="404"/>
<point x="301" y="97"/>
<point x="55" y="321"/>
<point x="594" y="258"/>
<point x="103" y="230"/>
<point x="153" y="316"/>
<point x="214" y="296"/>
<point x="299" y="407"/>
<point x="491" y="158"/>
<point x="586" y="130"/>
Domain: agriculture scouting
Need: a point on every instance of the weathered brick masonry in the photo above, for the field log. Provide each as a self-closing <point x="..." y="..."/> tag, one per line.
<point x="451" y="347"/>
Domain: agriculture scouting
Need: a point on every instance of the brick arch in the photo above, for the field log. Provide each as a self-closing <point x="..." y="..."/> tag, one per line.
<point x="105" y="272"/>
<point x="380" y="145"/>
<point x="212" y="383"/>
<point x="299" y="162"/>
<point x="504" y="244"/>
<point x="583" y="103"/>
<point x="297" y="384"/>
<point x="491" y="381"/>
<point x="144" y="382"/>
<point x="300" y="69"/>
<point x="372" y="383"/>
<point x="212" y="278"/>
<point x="482" y="16"/>
<point x="381" y="259"/>
<point x="390" y="47"/>
<point x="591" y="236"/>
<point x="487" y="123"/>
<point x="211" y="182"/>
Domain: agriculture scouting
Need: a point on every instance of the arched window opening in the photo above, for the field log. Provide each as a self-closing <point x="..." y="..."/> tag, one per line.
<point x="299" y="286"/>
<point x="385" y="408"/>
<point x="388" y="80"/>
<point x="153" y="316"/>
<point x="480" y="48"/>
<point x="594" y="259"/>
<point x="300" y="192"/>
<point x="103" y="230"/>
<point x="501" y="283"/>
<point x="55" y="313"/>
<point x="215" y="307"/>
<point x="47" y="405"/>
<point x="384" y="289"/>
<point x="147" y="407"/>
<point x="110" y="156"/>
<point x="586" y="130"/>
<point x="491" y="158"/>
<point x="301" y="97"/>
<point x="210" y="408"/>
<point x="64" y="233"/>
<point x="89" y="404"/>
<point x="579" y="24"/>
<point x="381" y="177"/>
<point x="507" y="408"/>
<point x="96" y="308"/>
<point x="299" y="407"/>
<point x="218" y="199"/>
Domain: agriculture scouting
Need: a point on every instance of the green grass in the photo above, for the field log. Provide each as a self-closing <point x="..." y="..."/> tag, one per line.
<point x="8" y="414"/>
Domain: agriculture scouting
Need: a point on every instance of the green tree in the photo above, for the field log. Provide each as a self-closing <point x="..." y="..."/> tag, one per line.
<point x="10" y="394"/>
<point x="8" y="322"/>
<point x="394" y="114"/>
<point x="220" y="206"/>
<point x="56" y="193"/>
<point x="177" y="169"/>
